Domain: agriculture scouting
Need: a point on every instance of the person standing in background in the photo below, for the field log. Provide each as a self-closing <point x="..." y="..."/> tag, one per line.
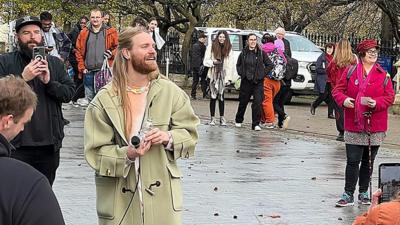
<point x="219" y="59"/>
<point x="323" y="83"/>
<point x="198" y="51"/>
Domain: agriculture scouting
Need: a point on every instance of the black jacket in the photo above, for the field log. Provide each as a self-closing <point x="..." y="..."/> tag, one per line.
<point x="198" y="51"/>
<point x="263" y="65"/>
<point x="60" y="89"/>
<point x="288" y="51"/>
<point x="26" y="197"/>
<point x="73" y="35"/>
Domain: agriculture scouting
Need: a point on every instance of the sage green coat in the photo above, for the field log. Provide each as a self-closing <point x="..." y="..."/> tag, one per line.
<point x="105" y="151"/>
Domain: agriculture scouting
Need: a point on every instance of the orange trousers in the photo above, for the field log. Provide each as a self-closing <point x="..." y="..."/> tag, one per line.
<point x="271" y="88"/>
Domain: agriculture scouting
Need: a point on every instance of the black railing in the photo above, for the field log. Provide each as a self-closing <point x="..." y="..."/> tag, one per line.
<point x="387" y="48"/>
<point x="171" y="51"/>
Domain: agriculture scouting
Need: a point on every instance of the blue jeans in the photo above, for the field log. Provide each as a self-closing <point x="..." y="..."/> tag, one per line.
<point x="88" y="82"/>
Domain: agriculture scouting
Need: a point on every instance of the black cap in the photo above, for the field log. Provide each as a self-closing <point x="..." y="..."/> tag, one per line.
<point x="26" y="20"/>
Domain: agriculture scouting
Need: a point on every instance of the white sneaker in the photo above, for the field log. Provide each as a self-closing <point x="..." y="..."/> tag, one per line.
<point x="212" y="122"/>
<point x="257" y="128"/>
<point x="285" y="122"/>
<point x="222" y="121"/>
<point x="269" y="125"/>
<point x="238" y="124"/>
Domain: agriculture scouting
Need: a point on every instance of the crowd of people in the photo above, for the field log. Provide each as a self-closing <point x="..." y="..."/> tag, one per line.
<point x="139" y="124"/>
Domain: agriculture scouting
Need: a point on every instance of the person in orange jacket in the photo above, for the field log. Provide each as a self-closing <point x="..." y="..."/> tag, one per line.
<point x="387" y="213"/>
<point x="95" y="43"/>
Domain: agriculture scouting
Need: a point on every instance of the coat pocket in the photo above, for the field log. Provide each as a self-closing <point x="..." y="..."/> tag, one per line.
<point x="105" y="196"/>
<point x="176" y="186"/>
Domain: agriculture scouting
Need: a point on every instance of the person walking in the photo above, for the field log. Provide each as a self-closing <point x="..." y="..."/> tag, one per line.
<point x="271" y="84"/>
<point x="94" y="43"/>
<point x="40" y="142"/>
<point x="322" y="83"/>
<point x="26" y="197"/>
<point x="253" y="64"/>
<point x="136" y="128"/>
<point x="219" y="59"/>
<point x="198" y="51"/>
<point x="342" y="58"/>
<point x="366" y="92"/>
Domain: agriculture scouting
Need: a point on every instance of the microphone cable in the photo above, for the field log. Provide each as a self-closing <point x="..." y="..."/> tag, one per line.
<point x="124" y="190"/>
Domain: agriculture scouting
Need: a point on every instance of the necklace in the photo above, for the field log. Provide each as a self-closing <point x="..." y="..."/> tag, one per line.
<point x="138" y="90"/>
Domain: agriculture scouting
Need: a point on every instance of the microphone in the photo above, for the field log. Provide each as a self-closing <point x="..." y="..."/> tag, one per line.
<point x="135" y="141"/>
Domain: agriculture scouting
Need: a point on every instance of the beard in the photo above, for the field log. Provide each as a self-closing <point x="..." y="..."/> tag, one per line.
<point x="26" y="50"/>
<point x="143" y="67"/>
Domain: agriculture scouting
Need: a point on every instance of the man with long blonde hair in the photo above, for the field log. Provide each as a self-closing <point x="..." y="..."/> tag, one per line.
<point x="135" y="129"/>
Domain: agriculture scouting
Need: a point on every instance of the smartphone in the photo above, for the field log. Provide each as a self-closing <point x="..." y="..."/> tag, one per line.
<point x="364" y="100"/>
<point x="389" y="181"/>
<point x="39" y="53"/>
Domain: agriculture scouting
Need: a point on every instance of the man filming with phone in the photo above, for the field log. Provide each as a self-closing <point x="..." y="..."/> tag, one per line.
<point x="40" y="142"/>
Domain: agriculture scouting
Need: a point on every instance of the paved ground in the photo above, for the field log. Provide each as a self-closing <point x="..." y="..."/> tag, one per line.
<point x="240" y="176"/>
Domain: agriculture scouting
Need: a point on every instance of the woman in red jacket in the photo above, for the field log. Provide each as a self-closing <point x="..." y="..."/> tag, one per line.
<point x="366" y="90"/>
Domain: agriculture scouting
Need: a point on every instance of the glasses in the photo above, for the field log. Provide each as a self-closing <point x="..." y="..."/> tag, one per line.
<point x="373" y="52"/>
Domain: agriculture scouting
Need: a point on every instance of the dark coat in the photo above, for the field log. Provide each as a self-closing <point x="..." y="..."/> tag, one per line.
<point x="26" y="197"/>
<point x="321" y="78"/>
<point x="60" y="89"/>
<point x="263" y="65"/>
<point x="288" y="51"/>
<point x="198" y="51"/>
<point x="73" y="35"/>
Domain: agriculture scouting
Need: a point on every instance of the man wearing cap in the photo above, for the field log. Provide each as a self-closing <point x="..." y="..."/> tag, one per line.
<point x="198" y="51"/>
<point x="40" y="142"/>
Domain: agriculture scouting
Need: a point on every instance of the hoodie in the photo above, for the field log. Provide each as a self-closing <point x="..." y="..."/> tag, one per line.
<point x="270" y="47"/>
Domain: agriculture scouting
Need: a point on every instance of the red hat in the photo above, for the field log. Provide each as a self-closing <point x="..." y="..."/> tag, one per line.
<point x="367" y="44"/>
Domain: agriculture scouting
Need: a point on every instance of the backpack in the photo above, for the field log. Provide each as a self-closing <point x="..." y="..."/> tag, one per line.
<point x="278" y="72"/>
<point x="292" y="68"/>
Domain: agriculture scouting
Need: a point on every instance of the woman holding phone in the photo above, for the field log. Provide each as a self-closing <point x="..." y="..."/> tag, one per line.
<point x="365" y="92"/>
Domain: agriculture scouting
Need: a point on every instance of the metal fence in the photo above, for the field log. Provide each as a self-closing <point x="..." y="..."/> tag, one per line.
<point x="171" y="52"/>
<point x="388" y="48"/>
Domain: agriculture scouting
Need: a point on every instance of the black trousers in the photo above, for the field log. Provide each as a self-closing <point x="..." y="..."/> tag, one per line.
<point x="279" y="102"/>
<point x="325" y="97"/>
<point x="248" y="89"/>
<point x="339" y="116"/>
<point x="221" y="105"/>
<point x="199" y="75"/>
<point x="355" y="155"/>
<point x="79" y="88"/>
<point x="42" y="158"/>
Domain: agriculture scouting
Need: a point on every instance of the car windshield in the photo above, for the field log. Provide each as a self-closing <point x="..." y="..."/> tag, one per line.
<point x="301" y="44"/>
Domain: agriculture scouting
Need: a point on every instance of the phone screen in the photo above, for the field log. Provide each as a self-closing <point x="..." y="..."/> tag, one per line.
<point x="389" y="180"/>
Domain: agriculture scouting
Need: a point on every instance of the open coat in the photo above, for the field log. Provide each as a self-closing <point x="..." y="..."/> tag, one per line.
<point x="105" y="151"/>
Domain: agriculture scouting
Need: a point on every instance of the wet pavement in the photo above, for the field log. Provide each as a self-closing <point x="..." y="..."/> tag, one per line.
<point x="238" y="176"/>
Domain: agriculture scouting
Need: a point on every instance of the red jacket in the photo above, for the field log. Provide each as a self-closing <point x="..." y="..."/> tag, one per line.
<point x="111" y="44"/>
<point x="334" y="73"/>
<point x="382" y="94"/>
<point x="385" y="214"/>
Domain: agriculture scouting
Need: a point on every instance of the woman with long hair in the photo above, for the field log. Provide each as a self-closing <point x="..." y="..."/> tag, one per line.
<point x="342" y="58"/>
<point x="322" y="83"/>
<point x="366" y="92"/>
<point x="219" y="59"/>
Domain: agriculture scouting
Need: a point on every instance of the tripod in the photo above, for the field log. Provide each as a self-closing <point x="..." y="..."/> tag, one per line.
<point x="367" y="115"/>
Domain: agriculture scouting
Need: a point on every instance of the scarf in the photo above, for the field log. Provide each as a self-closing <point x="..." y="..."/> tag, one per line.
<point x="360" y="119"/>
